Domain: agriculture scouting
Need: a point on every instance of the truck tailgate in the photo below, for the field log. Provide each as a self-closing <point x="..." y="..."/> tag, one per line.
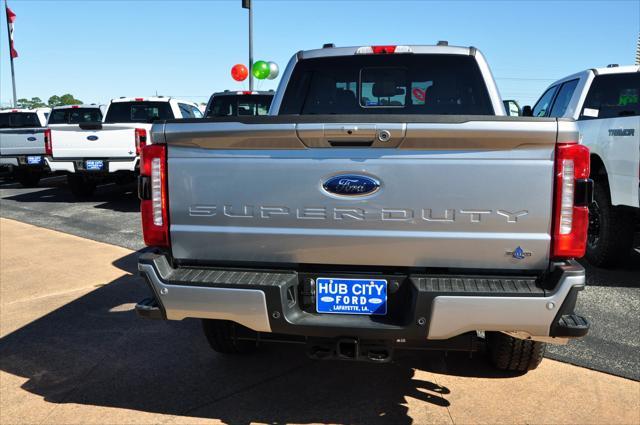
<point x="460" y="194"/>
<point x="21" y="141"/>
<point x="112" y="141"/>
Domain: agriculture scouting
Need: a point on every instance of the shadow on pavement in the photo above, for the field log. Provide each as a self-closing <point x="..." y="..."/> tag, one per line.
<point x="8" y="182"/>
<point x="110" y="196"/>
<point x="626" y="275"/>
<point x="95" y="351"/>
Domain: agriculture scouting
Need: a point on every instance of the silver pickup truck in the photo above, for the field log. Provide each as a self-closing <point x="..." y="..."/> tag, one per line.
<point x="387" y="202"/>
<point x="23" y="137"/>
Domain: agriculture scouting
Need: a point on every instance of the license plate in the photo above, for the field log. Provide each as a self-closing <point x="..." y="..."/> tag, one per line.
<point x="94" y="164"/>
<point x="34" y="160"/>
<point x="351" y="296"/>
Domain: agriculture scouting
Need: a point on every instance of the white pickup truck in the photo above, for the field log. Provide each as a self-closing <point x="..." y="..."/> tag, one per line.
<point x="22" y="140"/>
<point x="606" y="104"/>
<point x="386" y="202"/>
<point x="109" y="148"/>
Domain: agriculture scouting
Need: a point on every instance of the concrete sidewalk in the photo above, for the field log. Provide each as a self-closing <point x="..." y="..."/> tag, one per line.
<point x="72" y="351"/>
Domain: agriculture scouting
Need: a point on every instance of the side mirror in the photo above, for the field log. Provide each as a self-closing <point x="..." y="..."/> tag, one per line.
<point x="512" y="108"/>
<point x="527" y="111"/>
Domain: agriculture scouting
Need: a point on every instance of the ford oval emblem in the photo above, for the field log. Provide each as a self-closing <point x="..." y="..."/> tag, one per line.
<point x="31" y="139"/>
<point x="92" y="138"/>
<point x="351" y="185"/>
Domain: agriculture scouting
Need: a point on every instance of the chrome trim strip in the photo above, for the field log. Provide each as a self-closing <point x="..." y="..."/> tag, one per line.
<point x="248" y="307"/>
<point x="452" y="315"/>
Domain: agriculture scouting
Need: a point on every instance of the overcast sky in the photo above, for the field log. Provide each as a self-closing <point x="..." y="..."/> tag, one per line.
<point x="98" y="50"/>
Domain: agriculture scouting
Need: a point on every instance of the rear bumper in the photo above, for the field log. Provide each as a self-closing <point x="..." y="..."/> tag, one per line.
<point x="21" y="161"/>
<point x="433" y="307"/>
<point x="78" y="165"/>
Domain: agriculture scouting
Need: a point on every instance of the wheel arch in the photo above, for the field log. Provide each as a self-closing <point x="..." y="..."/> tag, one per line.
<point x="598" y="169"/>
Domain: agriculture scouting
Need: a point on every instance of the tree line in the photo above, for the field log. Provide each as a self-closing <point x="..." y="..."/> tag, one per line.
<point x="55" y="100"/>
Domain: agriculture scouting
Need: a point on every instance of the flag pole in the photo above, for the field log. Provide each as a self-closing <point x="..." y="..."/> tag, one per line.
<point x="250" y="46"/>
<point x="13" y="72"/>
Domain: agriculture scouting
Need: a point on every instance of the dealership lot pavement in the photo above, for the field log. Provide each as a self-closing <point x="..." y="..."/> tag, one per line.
<point x="73" y="351"/>
<point x="611" y="300"/>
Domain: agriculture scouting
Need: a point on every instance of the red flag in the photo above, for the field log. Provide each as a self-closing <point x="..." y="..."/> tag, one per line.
<point x="11" y="17"/>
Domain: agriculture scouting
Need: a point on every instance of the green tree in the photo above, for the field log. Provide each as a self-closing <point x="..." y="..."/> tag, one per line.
<point x="65" y="99"/>
<point x="35" y="102"/>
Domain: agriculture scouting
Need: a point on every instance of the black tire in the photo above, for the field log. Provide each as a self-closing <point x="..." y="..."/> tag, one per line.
<point x="28" y="178"/>
<point x="222" y="334"/>
<point x="513" y="354"/>
<point x="610" y="237"/>
<point x="80" y="186"/>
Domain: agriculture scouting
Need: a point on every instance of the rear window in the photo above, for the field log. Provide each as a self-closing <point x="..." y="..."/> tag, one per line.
<point x="122" y="112"/>
<point x="19" y="120"/>
<point x="233" y="105"/>
<point x="387" y="84"/>
<point x="75" y="115"/>
<point x="613" y="96"/>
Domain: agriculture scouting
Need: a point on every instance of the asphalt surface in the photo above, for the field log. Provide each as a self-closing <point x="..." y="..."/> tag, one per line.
<point x="611" y="300"/>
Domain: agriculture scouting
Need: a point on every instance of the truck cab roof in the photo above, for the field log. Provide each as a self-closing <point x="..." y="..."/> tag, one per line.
<point x="387" y="49"/>
<point x="239" y="102"/>
<point x="24" y="110"/>
<point x="614" y="69"/>
<point x="92" y="105"/>
<point x="151" y="99"/>
<point x="582" y="81"/>
<point x="408" y="57"/>
<point x="243" y="93"/>
<point x="24" y="118"/>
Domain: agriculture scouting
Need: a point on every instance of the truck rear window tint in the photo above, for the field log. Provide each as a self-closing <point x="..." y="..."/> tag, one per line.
<point x="614" y="95"/>
<point x="122" y="112"/>
<point x="75" y="115"/>
<point x="387" y="84"/>
<point x="235" y="105"/>
<point x="19" y="120"/>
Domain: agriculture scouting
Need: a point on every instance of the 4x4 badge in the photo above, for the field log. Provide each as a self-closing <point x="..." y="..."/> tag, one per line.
<point x="519" y="253"/>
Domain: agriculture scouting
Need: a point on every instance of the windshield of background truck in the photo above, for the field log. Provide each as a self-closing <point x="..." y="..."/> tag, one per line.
<point x="19" y="120"/>
<point x="75" y="115"/>
<point x="234" y="105"/>
<point x="387" y="84"/>
<point x="123" y="112"/>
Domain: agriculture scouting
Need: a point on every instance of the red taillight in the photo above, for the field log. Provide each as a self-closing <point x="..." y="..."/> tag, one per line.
<point x="48" y="148"/>
<point x="155" y="216"/>
<point x="246" y="92"/>
<point x="381" y="50"/>
<point x="75" y="107"/>
<point x="139" y="99"/>
<point x="570" y="221"/>
<point x="141" y="139"/>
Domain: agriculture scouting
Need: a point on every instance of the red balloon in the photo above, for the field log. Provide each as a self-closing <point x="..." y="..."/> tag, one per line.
<point x="239" y="72"/>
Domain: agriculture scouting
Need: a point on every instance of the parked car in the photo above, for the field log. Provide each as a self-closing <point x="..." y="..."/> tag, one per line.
<point x="22" y="134"/>
<point x="239" y="103"/>
<point x="386" y="203"/>
<point x="606" y="104"/>
<point x="108" y="148"/>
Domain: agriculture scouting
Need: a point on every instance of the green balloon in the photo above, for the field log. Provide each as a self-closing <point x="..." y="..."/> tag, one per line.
<point x="260" y="70"/>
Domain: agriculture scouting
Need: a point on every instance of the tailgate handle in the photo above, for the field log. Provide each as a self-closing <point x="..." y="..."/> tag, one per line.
<point x="90" y="125"/>
<point x="350" y="143"/>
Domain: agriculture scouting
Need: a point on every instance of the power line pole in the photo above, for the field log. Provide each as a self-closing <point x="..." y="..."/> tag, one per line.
<point x="10" y="40"/>
<point x="246" y="4"/>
